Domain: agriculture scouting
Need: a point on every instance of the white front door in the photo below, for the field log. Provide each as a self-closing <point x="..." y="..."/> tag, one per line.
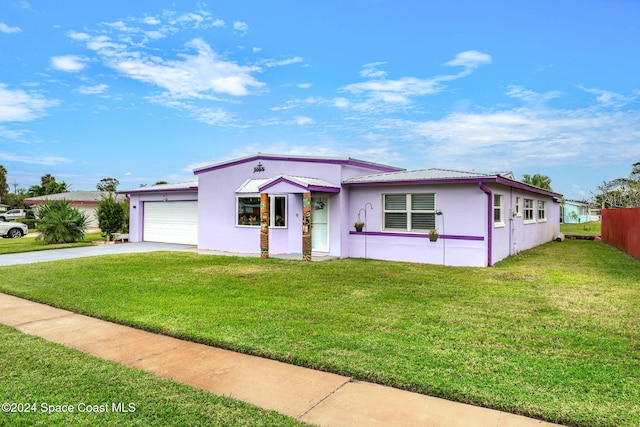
<point x="320" y="223"/>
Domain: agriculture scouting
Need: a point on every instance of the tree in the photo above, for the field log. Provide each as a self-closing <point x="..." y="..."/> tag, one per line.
<point x="621" y="192"/>
<point x="160" y="183"/>
<point x="111" y="215"/>
<point x="60" y="222"/>
<point x="48" y="185"/>
<point x="537" y="180"/>
<point x="108" y="185"/>
<point x="4" y="187"/>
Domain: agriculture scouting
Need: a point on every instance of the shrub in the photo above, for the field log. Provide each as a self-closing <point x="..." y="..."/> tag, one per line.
<point x="61" y="223"/>
<point x="111" y="215"/>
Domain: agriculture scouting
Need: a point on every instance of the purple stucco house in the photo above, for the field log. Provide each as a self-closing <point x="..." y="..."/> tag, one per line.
<point x="480" y="218"/>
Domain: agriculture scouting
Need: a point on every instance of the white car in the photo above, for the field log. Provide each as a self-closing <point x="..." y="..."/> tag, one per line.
<point x="14" y="230"/>
<point x="13" y="214"/>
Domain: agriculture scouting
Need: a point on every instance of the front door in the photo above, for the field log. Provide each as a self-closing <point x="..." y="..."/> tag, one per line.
<point x="320" y="223"/>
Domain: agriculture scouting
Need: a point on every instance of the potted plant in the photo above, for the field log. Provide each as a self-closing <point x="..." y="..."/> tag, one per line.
<point x="359" y="226"/>
<point x="433" y="235"/>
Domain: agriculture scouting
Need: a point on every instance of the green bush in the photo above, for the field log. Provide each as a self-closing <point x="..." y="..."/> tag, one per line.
<point x="111" y="215"/>
<point x="61" y="223"/>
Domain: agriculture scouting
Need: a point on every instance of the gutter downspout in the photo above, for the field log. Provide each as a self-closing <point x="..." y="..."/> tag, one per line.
<point x="489" y="223"/>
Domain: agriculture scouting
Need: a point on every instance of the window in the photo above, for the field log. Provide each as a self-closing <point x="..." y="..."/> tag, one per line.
<point x="498" y="210"/>
<point x="409" y="212"/>
<point x="249" y="211"/>
<point x="542" y="210"/>
<point x="518" y="210"/>
<point x="528" y="210"/>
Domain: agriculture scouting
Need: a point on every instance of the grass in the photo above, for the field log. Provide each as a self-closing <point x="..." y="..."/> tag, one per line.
<point x="551" y="333"/>
<point x="30" y="243"/>
<point x="583" y="228"/>
<point x="45" y="376"/>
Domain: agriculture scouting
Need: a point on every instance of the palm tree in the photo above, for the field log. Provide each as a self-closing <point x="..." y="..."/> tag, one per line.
<point x="537" y="180"/>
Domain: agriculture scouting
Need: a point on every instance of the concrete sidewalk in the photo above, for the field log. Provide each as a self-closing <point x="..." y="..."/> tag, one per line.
<point x="312" y="396"/>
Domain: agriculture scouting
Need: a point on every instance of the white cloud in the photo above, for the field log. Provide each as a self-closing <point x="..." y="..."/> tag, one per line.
<point x="383" y="94"/>
<point x="151" y="20"/>
<point x="523" y="136"/>
<point x="4" y="28"/>
<point x="371" y="70"/>
<point x="470" y="59"/>
<point x="341" y="103"/>
<point x="302" y="120"/>
<point x="80" y="37"/>
<point x="68" y="63"/>
<point x="304" y="85"/>
<point x="273" y="63"/>
<point x="611" y="99"/>
<point x="240" y="26"/>
<point x="191" y="76"/>
<point x="20" y="106"/>
<point x="93" y="90"/>
<point x="530" y="96"/>
<point x="37" y="160"/>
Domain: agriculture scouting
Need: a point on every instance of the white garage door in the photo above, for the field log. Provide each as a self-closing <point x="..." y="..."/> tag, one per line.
<point x="171" y="222"/>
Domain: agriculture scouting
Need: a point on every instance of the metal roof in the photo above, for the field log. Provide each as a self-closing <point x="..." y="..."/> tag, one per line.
<point x="258" y="185"/>
<point x="73" y="196"/>
<point x="183" y="186"/>
<point x="417" y="175"/>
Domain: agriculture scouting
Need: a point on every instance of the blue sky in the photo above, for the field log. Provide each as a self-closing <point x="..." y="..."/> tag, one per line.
<point x="144" y="91"/>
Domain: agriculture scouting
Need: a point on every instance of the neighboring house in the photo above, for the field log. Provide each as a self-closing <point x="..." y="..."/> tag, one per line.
<point x="313" y="203"/>
<point x="573" y="211"/>
<point x="86" y="202"/>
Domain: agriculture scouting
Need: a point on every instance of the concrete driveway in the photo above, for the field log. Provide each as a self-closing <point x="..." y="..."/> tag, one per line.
<point x="86" y="251"/>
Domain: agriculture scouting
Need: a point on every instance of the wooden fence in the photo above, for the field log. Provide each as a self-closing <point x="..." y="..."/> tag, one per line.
<point x="621" y="228"/>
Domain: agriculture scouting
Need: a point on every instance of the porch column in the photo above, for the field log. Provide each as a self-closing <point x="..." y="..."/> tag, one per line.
<point x="264" y="225"/>
<point x="306" y="226"/>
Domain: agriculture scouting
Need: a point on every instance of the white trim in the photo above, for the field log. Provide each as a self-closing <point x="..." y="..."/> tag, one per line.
<point x="272" y="219"/>
<point x="500" y="222"/>
<point x="327" y="208"/>
<point x="531" y="220"/>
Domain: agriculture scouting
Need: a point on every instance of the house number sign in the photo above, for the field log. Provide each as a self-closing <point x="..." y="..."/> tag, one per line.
<point x="258" y="168"/>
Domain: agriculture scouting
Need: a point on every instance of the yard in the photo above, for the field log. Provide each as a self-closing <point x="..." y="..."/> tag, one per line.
<point x="45" y="379"/>
<point x="551" y="333"/>
<point x="30" y="243"/>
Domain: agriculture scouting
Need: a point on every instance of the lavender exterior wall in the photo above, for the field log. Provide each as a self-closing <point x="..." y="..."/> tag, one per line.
<point x="516" y="235"/>
<point x="462" y="226"/>
<point x="217" y="202"/>
<point x="136" y="208"/>
<point x="468" y="234"/>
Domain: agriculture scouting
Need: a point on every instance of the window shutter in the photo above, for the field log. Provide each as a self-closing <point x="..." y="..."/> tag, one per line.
<point x="395" y="220"/>
<point x="395" y="202"/>
<point x="423" y="202"/>
<point x="423" y="221"/>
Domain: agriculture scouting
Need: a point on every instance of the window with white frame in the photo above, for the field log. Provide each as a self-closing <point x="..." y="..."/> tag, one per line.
<point x="248" y="210"/>
<point x="542" y="210"/>
<point x="498" y="210"/>
<point x="528" y="210"/>
<point x="409" y="212"/>
<point x="518" y="209"/>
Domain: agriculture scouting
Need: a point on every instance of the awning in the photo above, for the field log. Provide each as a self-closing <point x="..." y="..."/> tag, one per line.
<point x="287" y="184"/>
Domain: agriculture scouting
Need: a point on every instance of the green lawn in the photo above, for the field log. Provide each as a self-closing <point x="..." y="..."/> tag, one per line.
<point x="30" y="243"/>
<point x="46" y="379"/>
<point x="552" y="333"/>
<point x="583" y="228"/>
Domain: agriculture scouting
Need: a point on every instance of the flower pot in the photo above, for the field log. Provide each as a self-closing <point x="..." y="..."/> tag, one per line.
<point x="433" y="238"/>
